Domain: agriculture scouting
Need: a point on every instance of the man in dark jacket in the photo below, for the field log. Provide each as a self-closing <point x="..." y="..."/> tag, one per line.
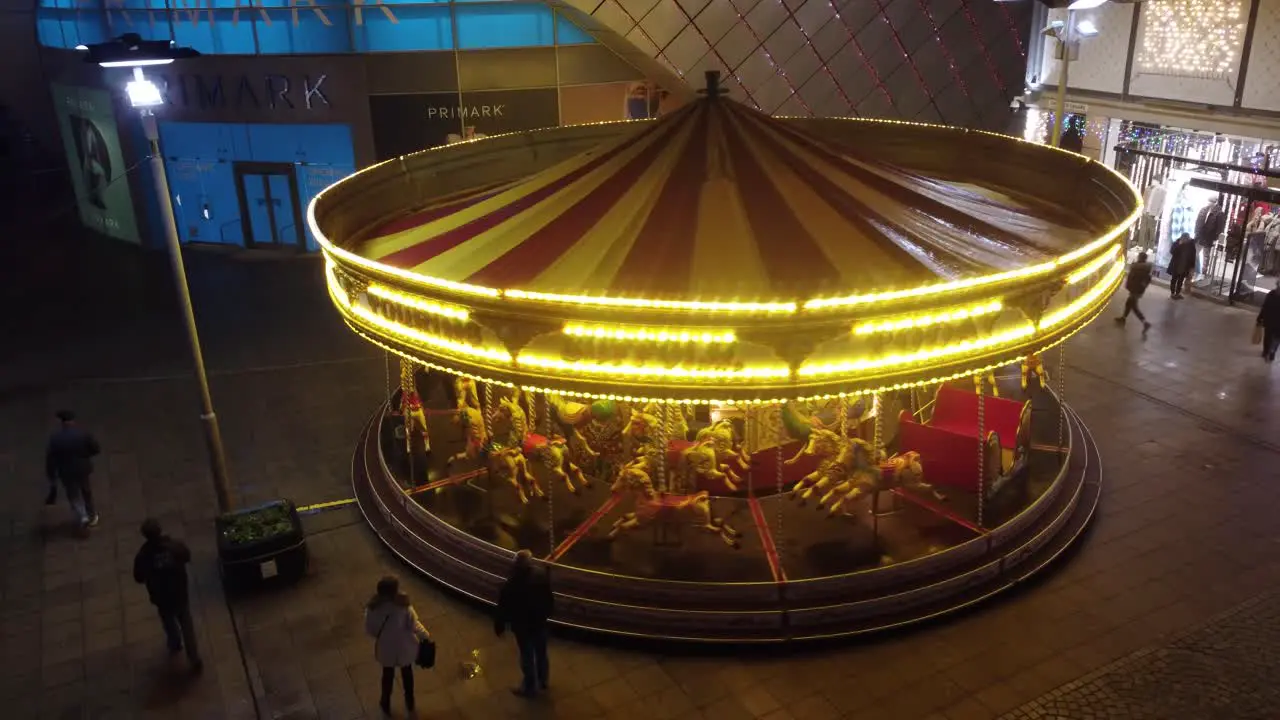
<point x="161" y="565"/>
<point x="1137" y="282"/>
<point x="525" y="603"/>
<point x="1269" y="319"/>
<point x="1182" y="261"/>
<point x="69" y="458"/>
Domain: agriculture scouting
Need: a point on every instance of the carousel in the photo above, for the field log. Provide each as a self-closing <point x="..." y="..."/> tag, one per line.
<point x="734" y="378"/>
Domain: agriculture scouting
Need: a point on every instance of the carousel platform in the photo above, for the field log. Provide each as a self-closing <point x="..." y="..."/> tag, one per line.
<point x="797" y="575"/>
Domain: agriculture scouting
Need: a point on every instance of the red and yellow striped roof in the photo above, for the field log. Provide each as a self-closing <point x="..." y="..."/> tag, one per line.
<point x="717" y="200"/>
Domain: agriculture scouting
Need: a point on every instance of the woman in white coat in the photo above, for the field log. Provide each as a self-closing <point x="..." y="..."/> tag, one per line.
<point x="393" y="624"/>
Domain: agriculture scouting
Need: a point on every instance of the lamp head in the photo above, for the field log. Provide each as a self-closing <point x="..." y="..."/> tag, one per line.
<point x="1086" y="28"/>
<point x="1086" y="4"/>
<point x="142" y="92"/>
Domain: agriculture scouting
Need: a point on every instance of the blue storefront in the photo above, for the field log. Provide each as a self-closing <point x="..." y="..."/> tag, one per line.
<point x="290" y="96"/>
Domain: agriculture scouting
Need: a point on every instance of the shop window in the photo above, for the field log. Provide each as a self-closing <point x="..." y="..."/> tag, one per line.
<point x="317" y="30"/>
<point x="569" y="34"/>
<point x="415" y="27"/>
<point x="500" y="25"/>
<point x="224" y="35"/>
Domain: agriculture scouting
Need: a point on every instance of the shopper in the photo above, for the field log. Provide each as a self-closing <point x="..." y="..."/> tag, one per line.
<point x="1181" y="263"/>
<point x="161" y="565"/>
<point x="525" y="603"/>
<point x="69" y="458"/>
<point x="393" y="624"/>
<point x="1136" y="283"/>
<point x="1269" y="319"/>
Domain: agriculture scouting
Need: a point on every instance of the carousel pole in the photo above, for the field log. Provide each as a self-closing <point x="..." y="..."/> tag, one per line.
<point x="662" y="451"/>
<point x="982" y="456"/>
<point x="551" y="513"/>
<point x="752" y="429"/>
<point x="779" y="542"/>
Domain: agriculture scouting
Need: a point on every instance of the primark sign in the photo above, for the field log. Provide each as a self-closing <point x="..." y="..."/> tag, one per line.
<point x="244" y="91"/>
<point x="465" y="112"/>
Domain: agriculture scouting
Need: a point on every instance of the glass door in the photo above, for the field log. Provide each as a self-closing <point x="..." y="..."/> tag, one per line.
<point x="269" y="209"/>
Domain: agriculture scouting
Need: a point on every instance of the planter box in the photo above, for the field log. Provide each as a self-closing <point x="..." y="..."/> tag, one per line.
<point x="259" y="544"/>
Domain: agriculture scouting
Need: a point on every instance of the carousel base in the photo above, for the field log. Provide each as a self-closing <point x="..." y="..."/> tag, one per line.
<point x="677" y="583"/>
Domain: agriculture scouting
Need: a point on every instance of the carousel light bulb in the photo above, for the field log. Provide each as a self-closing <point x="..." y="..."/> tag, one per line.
<point x="427" y="306"/>
<point x="643" y="334"/>
<point x="929" y="319"/>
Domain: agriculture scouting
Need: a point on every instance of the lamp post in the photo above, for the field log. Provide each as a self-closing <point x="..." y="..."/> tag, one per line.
<point x="1068" y="35"/>
<point x="133" y="52"/>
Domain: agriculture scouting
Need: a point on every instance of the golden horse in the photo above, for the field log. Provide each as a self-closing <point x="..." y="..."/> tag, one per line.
<point x="841" y="460"/>
<point x="472" y="422"/>
<point x="899" y="471"/>
<point x="510" y="462"/>
<point x="1033" y="366"/>
<point x="568" y="416"/>
<point x="713" y="455"/>
<point x="650" y="505"/>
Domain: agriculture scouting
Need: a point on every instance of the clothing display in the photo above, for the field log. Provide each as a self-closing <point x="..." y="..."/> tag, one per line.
<point x="1210" y="222"/>
<point x="1153" y="200"/>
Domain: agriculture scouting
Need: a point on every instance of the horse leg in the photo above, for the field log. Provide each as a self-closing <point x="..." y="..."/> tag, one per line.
<point x="837" y="508"/>
<point x="799" y="490"/>
<point x="841" y="489"/>
<point x="576" y="473"/>
<point x="817" y="487"/>
<point x="731" y="478"/>
<point x="626" y="522"/>
<point x="535" y="487"/>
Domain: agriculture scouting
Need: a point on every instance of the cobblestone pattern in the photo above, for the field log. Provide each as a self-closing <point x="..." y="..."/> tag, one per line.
<point x="1222" y="670"/>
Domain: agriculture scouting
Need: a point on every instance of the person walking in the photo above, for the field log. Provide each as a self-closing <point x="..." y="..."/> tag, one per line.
<point x="525" y="603"/>
<point x="1182" y="262"/>
<point x="391" y="621"/>
<point x="161" y="565"/>
<point x="1269" y="320"/>
<point x="1136" y="283"/>
<point x="69" y="458"/>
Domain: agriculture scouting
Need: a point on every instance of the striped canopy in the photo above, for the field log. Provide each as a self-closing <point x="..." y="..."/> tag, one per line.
<point x="718" y="201"/>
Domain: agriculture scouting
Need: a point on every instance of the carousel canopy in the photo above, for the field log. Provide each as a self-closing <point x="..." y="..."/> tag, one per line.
<point x="719" y="200"/>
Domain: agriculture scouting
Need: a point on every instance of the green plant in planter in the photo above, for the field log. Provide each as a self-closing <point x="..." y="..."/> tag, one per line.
<point x="257" y="525"/>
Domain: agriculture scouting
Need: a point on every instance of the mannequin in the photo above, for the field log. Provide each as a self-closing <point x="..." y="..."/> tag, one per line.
<point x="1210" y="222"/>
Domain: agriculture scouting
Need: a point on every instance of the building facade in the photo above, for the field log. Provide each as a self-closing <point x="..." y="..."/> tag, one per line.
<point x="290" y="95"/>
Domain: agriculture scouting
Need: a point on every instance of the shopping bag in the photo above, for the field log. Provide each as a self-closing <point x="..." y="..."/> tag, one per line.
<point x="426" y="653"/>
<point x="1257" y="334"/>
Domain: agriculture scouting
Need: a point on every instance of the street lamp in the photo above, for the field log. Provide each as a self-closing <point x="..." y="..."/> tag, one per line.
<point x="1068" y="34"/>
<point x="132" y="51"/>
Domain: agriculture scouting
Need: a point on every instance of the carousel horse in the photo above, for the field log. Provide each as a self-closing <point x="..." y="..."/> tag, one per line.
<point x="569" y="417"/>
<point x="989" y="378"/>
<point x="552" y="453"/>
<point x="464" y="392"/>
<point x="1032" y="366"/>
<point x="640" y="431"/>
<point x="472" y="422"/>
<point x="677" y="419"/>
<point x="650" y="505"/>
<point x="508" y="464"/>
<point x="841" y="460"/>
<point x="899" y="471"/>
<point x="411" y="409"/>
<point x="714" y="448"/>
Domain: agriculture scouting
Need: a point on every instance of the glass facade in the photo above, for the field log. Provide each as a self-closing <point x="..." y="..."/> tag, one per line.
<point x="297" y="27"/>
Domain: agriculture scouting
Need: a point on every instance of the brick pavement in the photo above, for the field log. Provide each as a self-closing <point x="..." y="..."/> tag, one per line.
<point x="1185" y="420"/>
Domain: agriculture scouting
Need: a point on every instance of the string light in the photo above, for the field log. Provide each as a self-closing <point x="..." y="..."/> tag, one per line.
<point x="926" y="320"/>
<point x="426" y="306"/>
<point x="1191" y="38"/>
<point x="1093" y="266"/>
<point x="662" y="335"/>
<point x="587" y="367"/>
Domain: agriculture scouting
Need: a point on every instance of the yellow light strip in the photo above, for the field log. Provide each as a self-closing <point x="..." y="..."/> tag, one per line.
<point x="653" y="371"/>
<point x="650" y="304"/>
<point x="426" y="306"/>
<point x="967" y="283"/>
<point x="1088" y="298"/>
<point x="963" y="347"/>
<point x="672" y="335"/>
<point x="435" y="341"/>
<point x="923" y="321"/>
<point x="1094" y="266"/>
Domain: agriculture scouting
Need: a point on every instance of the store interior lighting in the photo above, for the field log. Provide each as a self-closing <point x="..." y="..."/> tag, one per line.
<point x="1086" y="4"/>
<point x="142" y="92"/>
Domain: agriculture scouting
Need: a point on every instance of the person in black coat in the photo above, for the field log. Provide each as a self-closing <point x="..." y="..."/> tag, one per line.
<point x="1136" y="283"/>
<point x="161" y="565"/>
<point x="1181" y="262"/>
<point x="69" y="458"/>
<point x="1269" y="319"/>
<point x="524" y="603"/>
